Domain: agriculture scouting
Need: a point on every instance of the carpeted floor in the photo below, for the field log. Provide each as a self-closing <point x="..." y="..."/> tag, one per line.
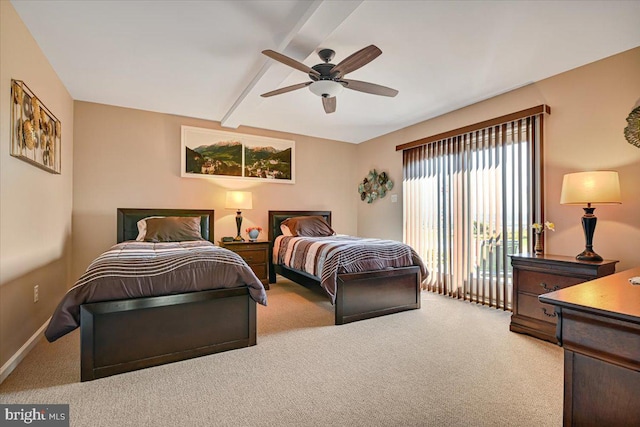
<point x="451" y="363"/>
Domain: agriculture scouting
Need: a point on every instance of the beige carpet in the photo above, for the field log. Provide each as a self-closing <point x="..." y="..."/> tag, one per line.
<point x="451" y="363"/>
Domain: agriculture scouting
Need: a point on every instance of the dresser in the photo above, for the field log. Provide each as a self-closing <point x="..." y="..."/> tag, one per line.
<point x="599" y="328"/>
<point x="256" y="254"/>
<point x="534" y="275"/>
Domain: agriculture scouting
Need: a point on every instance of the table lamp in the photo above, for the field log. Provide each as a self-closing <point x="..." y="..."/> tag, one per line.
<point x="595" y="187"/>
<point x="239" y="200"/>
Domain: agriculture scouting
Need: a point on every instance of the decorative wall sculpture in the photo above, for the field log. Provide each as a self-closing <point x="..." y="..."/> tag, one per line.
<point x="374" y="186"/>
<point x="36" y="134"/>
<point x="632" y="131"/>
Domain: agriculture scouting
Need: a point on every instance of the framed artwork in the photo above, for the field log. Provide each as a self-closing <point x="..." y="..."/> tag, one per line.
<point x="208" y="153"/>
<point x="36" y="134"/>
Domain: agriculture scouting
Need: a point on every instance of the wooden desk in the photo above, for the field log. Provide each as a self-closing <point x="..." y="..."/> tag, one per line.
<point x="599" y="328"/>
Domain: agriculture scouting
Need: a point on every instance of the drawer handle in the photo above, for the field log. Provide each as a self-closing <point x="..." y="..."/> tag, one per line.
<point x="544" y="310"/>
<point x="248" y="258"/>
<point x="544" y="286"/>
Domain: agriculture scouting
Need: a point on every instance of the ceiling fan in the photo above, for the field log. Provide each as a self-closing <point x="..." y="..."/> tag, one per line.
<point x="327" y="79"/>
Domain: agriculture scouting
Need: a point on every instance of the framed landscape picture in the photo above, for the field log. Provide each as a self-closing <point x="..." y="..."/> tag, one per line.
<point x="208" y="153"/>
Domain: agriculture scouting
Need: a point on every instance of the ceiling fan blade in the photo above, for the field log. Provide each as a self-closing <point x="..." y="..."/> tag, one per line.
<point x="329" y="104"/>
<point x="355" y="61"/>
<point x="286" y="89"/>
<point x="290" y="62"/>
<point x="369" y="88"/>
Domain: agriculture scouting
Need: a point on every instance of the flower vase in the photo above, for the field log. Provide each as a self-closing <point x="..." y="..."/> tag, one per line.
<point x="538" y="249"/>
<point x="253" y="235"/>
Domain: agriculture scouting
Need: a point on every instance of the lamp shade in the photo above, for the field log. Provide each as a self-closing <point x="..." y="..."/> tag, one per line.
<point x="326" y="88"/>
<point x="239" y="200"/>
<point x="595" y="187"/>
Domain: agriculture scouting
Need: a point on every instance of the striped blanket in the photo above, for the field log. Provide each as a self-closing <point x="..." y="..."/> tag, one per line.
<point x="326" y="257"/>
<point x="143" y="269"/>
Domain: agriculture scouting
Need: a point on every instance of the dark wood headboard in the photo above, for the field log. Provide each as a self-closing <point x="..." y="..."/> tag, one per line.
<point x="276" y="218"/>
<point x="128" y="220"/>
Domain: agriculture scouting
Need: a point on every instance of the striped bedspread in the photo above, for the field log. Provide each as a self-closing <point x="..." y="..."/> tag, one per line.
<point x="326" y="257"/>
<point x="142" y="269"/>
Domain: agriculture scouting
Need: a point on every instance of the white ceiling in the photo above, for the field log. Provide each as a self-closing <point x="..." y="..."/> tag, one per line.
<point x="202" y="58"/>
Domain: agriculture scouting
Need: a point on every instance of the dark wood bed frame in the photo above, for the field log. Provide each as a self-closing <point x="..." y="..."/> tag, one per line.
<point x="358" y="295"/>
<point x="125" y="335"/>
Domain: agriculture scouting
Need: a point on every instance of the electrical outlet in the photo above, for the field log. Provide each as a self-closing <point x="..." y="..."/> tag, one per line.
<point x="394" y="198"/>
<point x="35" y="293"/>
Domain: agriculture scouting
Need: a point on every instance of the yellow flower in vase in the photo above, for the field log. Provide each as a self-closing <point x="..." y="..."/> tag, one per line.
<point x="539" y="229"/>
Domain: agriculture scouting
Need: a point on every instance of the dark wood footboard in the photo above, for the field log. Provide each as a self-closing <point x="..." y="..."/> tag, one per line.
<point x="370" y="294"/>
<point x="122" y="336"/>
<point x="376" y="293"/>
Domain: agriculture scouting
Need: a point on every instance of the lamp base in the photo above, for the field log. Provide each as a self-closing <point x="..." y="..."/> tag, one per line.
<point x="238" y="238"/>
<point x="589" y="221"/>
<point x="588" y="255"/>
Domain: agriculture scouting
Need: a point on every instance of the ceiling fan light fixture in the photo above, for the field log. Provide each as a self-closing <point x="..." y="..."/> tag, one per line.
<point x="326" y="88"/>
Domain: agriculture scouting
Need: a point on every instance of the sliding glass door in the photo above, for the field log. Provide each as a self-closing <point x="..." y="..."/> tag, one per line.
<point x="469" y="202"/>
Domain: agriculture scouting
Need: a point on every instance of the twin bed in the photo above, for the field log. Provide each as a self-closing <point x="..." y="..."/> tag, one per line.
<point x="379" y="290"/>
<point x="175" y="300"/>
<point x="169" y="303"/>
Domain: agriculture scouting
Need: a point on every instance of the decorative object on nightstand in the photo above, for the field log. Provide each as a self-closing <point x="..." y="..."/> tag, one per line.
<point x="595" y="187"/>
<point x="534" y="275"/>
<point x="255" y="254"/>
<point x="538" y="229"/>
<point x="239" y="200"/>
<point x="253" y="233"/>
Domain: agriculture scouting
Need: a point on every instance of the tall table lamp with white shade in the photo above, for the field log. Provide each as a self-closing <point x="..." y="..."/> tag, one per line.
<point x="239" y="200"/>
<point x="587" y="188"/>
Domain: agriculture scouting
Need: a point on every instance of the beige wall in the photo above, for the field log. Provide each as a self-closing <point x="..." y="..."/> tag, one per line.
<point x="589" y="106"/>
<point x="128" y="158"/>
<point x="35" y="206"/>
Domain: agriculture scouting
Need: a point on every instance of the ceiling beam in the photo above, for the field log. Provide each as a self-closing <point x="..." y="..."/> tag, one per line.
<point x="316" y="23"/>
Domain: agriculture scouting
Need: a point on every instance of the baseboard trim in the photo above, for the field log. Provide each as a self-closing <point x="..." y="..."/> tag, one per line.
<point x="11" y="364"/>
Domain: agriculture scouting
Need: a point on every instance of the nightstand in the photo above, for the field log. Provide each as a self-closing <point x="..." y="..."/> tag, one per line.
<point x="256" y="254"/>
<point x="534" y="275"/>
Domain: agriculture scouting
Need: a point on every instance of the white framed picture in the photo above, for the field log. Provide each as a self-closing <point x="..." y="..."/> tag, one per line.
<point x="208" y="153"/>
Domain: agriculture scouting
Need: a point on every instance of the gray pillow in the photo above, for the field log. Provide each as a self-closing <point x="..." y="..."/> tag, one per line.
<point x="173" y="229"/>
<point x="308" y="226"/>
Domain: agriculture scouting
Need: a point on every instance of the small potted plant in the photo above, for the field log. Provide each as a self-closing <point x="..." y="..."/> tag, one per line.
<point x="253" y="233"/>
<point x="538" y="230"/>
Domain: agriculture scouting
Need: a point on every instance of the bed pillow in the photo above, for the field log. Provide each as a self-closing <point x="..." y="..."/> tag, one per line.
<point x="308" y="226"/>
<point x="285" y="230"/>
<point x="173" y="229"/>
<point x="142" y="227"/>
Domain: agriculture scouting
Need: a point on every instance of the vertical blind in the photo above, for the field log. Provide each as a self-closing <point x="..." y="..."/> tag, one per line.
<point x="470" y="200"/>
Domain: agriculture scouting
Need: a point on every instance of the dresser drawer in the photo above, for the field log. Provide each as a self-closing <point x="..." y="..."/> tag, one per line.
<point x="540" y="283"/>
<point x="530" y="306"/>
<point x="253" y="256"/>
<point x="535" y="275"/>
